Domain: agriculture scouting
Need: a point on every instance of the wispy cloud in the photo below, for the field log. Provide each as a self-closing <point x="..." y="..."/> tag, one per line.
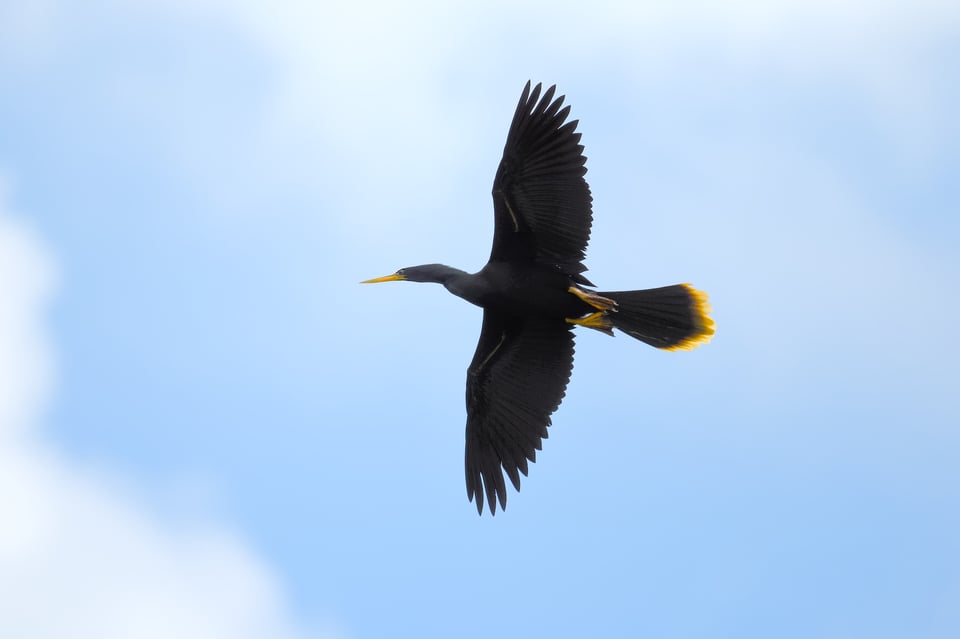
<point x="409" y="98"/>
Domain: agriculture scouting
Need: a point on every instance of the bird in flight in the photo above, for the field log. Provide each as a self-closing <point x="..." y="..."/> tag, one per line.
<point x="533" y="293"/>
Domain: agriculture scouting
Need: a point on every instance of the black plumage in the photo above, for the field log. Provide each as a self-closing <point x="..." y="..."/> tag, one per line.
<point x="533" y="293"/>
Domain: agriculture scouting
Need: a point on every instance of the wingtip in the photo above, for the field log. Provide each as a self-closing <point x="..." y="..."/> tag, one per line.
<point x="534" y="94"/>
<point x="548" y="95"/>
<point x="525" y="94"/>
<point x="490" y="495"/>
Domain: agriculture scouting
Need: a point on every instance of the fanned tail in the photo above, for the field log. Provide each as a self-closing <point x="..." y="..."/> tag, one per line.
<point x="673" y="318"/>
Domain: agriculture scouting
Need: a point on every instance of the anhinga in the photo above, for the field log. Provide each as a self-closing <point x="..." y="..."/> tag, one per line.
<point x="532" y="291"/>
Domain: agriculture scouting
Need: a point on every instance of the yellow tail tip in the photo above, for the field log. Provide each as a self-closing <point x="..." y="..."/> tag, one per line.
<point x="704" y="326"/>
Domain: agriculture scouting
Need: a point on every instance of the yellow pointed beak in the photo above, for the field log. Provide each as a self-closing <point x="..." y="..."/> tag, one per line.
<point x="396" y="277"/>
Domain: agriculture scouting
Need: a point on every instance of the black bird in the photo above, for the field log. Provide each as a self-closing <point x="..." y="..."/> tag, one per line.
<point x="532" y="291"/>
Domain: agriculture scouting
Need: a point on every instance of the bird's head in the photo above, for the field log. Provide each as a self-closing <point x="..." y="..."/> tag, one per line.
<point x="439" y="273"/>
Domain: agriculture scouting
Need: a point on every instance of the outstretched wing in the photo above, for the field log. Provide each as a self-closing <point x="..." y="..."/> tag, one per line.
<point x="516" y="380"/>
<point x="542" y="204"/>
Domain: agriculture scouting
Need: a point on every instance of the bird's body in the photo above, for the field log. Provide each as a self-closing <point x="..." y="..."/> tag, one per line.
<point x="513" y="288"/>
<point x="533" y="293"/>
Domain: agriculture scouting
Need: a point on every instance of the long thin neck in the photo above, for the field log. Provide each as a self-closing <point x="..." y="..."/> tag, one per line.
<point x="447" y="275"/>
<point x="462" y="284"/>
<point x="469" y="286"/>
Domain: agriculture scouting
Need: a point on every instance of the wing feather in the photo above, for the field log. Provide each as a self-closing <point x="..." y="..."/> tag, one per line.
<point x="542" y="203"/>
<point x="516" y="380"/>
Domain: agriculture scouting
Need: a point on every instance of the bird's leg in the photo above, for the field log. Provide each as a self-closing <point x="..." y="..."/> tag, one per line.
<point x="597" y="321"/>
<point x="598" y="302"/>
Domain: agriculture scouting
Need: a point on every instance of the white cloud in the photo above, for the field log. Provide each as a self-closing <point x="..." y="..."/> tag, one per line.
<point x="370" y="104"/>
<point x="359" y="85"/>
<point x="386" y="94"/>
<point x="81" y="556"/>
<point x="383" y="63"/>
<point x="25" y="281"/>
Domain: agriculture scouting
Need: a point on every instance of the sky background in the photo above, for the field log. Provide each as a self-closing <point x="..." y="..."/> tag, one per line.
<point x="209" y="429"/>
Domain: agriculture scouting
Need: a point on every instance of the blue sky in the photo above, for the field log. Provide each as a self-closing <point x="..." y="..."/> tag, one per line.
<point x="208" y="429"/>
